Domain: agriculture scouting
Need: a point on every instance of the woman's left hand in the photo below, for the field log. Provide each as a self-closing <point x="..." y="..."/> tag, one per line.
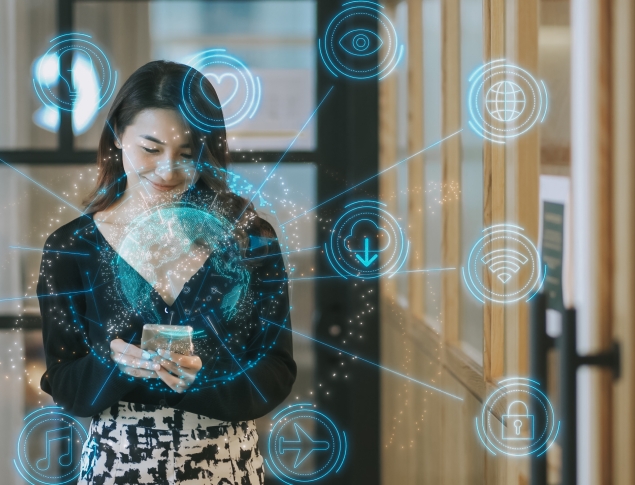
<point x="178" y="371"/>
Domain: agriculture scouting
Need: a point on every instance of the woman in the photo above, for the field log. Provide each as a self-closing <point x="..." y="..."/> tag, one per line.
<point x="164" y="417"/>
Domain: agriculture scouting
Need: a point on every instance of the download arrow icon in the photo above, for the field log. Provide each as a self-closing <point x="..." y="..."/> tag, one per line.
<point x="366" y="261"/>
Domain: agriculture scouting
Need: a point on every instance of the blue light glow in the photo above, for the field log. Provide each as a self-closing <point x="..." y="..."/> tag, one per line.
<point x="356" y="242"/>
<point x="505" y="101"/>
<point x="511" y="262"/>
<point x="90" y="83"/>
<point x="300" y="431"/>
<point x="353" y="39"/>
<point x="179" y="227"/>
<point x="371" y="177"/>
<point x="59" y="465"/>
<point x="239" y="91"/>
<point x="429" y="386"/>
<point x="516" y="434"/>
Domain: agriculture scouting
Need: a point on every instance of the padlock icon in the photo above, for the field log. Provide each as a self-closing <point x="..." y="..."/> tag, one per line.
<point x="518" y="426"/>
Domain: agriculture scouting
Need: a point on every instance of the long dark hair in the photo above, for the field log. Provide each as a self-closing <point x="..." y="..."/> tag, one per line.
<point x="158" y="85"/>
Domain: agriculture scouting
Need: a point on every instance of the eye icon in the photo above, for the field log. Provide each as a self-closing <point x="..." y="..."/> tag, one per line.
<point x="351" y="44"/>
<point x="361" y="42"/>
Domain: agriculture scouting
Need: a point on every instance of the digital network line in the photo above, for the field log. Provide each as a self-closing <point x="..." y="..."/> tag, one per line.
<point x="234" y="358"/>
<point x="113" y="369"/>
<point x="364" y="360"/>
<point x="45" y="296"/>
<point x="285" y="152"/>
<point x="278" y="254"/>
<point x="48" y="251"/>
<point x="41" y="186"/>
<point x="373" y="176"/>
<point x="339" y="276"/>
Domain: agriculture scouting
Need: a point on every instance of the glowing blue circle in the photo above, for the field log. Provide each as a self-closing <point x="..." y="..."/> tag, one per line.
<point x="361" y="42"/>
<point x="347" y="45"/>
<point x="511" y="262"/>
<point x="505" y="101"/>
<point x="240" y="102"/>
<point x="75" y="44"/>
<point x="498" y="436"/>
<point x="304" y="445"/>
<point x="167" y="233"/>
<point x="50" y="464"/>
<point x="360" y="235"/>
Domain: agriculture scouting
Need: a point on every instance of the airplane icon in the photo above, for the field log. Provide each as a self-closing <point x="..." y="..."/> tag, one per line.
<point x="304" y="445"/>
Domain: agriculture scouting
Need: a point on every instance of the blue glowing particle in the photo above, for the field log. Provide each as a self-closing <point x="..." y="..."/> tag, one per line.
<point x="304" y="445"/>
<point x="503" y="266"/>
<point x="169" y="235"/>
<point x="528" y="425"/>
<point x="230" y="300"/>
<point x="505" y="101"/>
<point x="238" y="90"/>
<point x="358" y="237"/>
<point x="49" y="447"/>
<point x="352" y="41"/>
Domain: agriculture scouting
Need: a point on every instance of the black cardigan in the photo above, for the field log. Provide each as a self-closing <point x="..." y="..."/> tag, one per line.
<point x="81" y="314"/>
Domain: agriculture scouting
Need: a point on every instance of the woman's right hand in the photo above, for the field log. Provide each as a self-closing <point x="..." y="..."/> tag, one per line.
<point x="132" y="360"/>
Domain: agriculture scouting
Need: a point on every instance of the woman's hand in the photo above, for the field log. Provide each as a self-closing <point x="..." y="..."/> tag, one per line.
<point x="178" y="371"/>
<point x="132" y="360"/>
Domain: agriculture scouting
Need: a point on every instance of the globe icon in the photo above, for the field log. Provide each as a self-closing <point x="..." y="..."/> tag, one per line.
<point x="505" y="101"/>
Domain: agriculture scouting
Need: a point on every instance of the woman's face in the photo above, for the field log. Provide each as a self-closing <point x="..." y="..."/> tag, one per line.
<point x="157" y="155"/>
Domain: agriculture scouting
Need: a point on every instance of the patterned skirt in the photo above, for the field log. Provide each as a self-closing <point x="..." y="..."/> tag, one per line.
<point x="143" y="444"/>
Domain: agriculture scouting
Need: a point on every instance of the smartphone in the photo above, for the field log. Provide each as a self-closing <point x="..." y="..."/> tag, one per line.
<point x="175" y="338"/>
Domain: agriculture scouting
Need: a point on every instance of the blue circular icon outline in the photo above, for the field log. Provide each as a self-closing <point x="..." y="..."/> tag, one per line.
<point x="479" y="289"/>
<point x="243" y="75"/>
<point x="76" y="42"/>
<point x="330" y="59"/>
<point x="359" y="211"/>
<point x="49" y="413"/>
<point x="288" y="416"/>
<point x="517" y="385"/>
<point x="538" y="99"/>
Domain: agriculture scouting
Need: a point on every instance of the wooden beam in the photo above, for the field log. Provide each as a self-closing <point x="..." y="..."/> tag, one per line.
<point x="416" y="173"/>
<point x="494" y="196"/>
<point x="624" y="235"/>
<point x="451" y="165"/>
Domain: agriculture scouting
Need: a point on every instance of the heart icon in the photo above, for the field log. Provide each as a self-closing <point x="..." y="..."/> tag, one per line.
<point x="223" y="90"/>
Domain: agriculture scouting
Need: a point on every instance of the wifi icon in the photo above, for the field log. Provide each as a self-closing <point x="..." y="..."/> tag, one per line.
<point x="504" y="263"/>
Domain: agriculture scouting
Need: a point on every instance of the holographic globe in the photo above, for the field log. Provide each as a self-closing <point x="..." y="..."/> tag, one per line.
<point x="179" y="237"/>
<point x="505" y="101"/>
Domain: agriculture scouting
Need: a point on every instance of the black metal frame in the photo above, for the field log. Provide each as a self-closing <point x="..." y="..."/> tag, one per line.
<point x="66" y="153"/>
<point x="570" y="362"/>
<point x="348" y="151"/>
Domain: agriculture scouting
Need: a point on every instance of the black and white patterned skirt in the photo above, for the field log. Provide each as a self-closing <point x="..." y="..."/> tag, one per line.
<point x="142" y="444"/>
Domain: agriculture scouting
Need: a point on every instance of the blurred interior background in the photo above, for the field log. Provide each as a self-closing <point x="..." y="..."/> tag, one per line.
<point x="422" y="325"/>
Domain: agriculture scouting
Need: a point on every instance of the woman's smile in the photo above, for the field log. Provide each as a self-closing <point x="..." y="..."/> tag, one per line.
<point x="161" y="187"/>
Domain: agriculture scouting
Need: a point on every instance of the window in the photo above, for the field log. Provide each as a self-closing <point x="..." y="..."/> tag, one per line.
<point x="471" y="314"/>
<point x="433" y="188"/>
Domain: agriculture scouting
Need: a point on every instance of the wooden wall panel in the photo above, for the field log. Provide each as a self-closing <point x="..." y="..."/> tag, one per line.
<point x="494" y="195"/>
<point x="451" y="164"/>
<point x="416" y="178"/>
<point x="624" y="236"/>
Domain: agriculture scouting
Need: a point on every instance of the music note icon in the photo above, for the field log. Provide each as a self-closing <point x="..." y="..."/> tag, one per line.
<point x="55" y="435"/>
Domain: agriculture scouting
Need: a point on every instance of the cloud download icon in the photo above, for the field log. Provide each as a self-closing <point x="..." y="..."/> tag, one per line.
<point x="358" y="237"/>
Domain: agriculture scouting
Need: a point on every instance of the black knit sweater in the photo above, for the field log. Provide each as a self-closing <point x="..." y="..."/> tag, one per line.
<point x="81" y="313"/>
